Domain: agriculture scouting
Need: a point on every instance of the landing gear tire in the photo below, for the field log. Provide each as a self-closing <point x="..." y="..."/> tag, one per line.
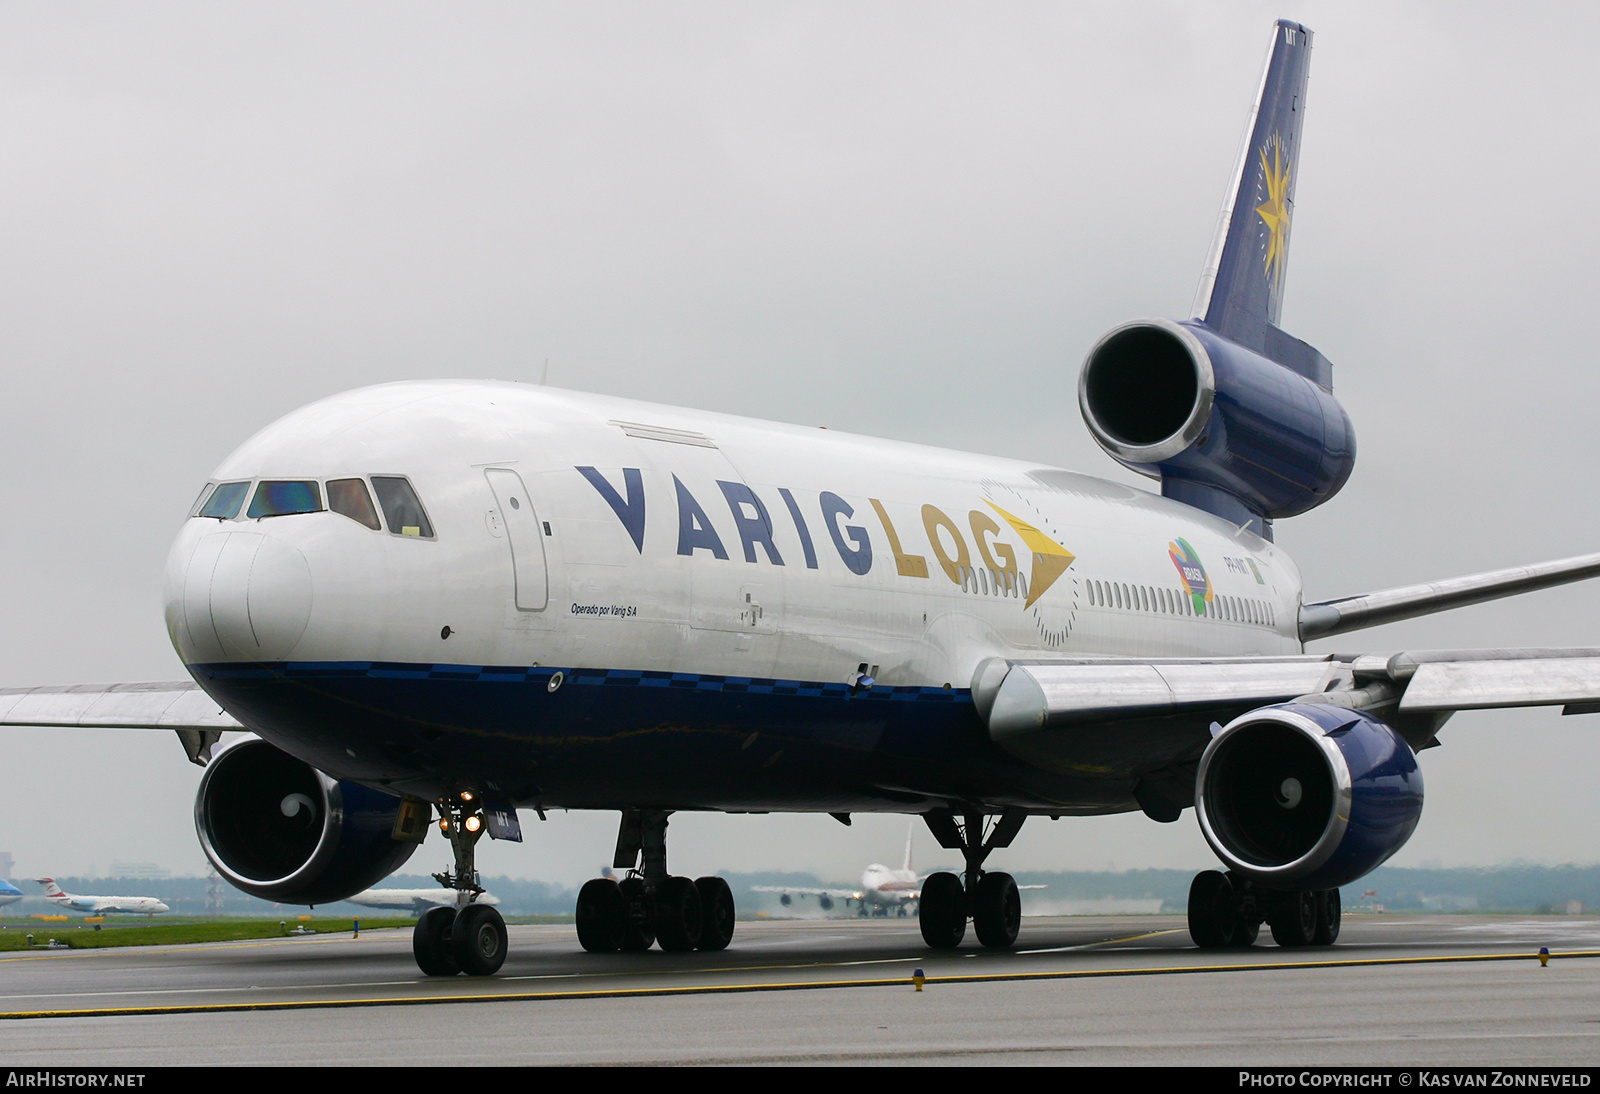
<point x="997" y="911"/>
<point x="1214" y="919"/>
<point x="639" y="918"/>
<point x="478" y="940"/>
<point x="430" y="942"/>
<point x="1294" y="920"/>
<point x="942" y="913"/>
<point x="678" y="915"/>
<point x="602" y="915"/>
<point x="716" y="913"/>
<point x="1329" y="915"/>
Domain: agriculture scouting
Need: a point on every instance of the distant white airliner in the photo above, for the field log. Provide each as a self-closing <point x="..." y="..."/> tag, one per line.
<point x="94" y="905"/>
<point x="415" y="901"/>
<point x="884" y="890"/>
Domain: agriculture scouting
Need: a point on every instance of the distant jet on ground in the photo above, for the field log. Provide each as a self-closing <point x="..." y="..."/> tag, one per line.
<point x="884" y="890"/>
<point x="9" y="893"/>
<point x="415" y="901"/>
<point x="142" y="905"/>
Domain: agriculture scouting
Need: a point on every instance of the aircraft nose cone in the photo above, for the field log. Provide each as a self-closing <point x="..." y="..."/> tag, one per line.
<point x="240" y="596"/>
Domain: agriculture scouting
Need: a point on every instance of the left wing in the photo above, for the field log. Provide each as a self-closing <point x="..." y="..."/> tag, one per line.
<point x="180" y="706"/>
<point x="1019" y="699"/>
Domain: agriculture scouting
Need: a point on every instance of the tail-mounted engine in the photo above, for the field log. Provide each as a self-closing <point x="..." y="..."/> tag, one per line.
<point x="283" y="831"/>
<point x="1224" y="428"/>
<point x="1307" y="796"/>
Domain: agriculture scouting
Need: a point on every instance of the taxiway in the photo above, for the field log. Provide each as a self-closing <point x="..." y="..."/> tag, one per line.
<point x="1426" y="990"/>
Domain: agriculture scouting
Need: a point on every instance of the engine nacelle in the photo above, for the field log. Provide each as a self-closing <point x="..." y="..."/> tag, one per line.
<point x="283" y="831"/>
<point x="1307" y="795"/>
<point x="1179" y="402"/>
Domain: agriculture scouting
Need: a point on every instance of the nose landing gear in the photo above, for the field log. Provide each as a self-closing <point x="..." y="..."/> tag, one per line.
<point x="650" y="905"/>
<point x="469" y="938"/>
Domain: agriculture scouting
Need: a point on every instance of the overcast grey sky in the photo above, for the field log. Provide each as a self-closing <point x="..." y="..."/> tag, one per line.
<point x="904" y="219"/>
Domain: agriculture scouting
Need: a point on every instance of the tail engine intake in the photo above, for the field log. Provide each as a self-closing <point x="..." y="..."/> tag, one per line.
<point x="1224" y="428"/>
<point x="1307" y="796"/>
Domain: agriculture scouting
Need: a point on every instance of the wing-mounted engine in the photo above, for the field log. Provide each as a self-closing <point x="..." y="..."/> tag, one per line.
<point x="283" y="831"/>
<point x="1307" y="796"/>
<point x="1224" y="428"/>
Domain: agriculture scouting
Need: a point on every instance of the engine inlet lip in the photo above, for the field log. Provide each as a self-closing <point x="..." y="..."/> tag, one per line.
<point x="1338" y="822"/>
<point x="327" y="840"/>
<point x="1199" y="412"/>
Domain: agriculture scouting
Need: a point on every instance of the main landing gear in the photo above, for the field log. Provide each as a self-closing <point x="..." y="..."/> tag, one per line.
<point x="469" y="938"/>
<point x="650" y="906"/>
<point x="1226" y="910"/>
<point x="990" y="900"/>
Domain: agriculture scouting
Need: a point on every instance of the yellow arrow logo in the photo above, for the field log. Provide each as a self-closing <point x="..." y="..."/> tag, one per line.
<point x="1050" y="559"/>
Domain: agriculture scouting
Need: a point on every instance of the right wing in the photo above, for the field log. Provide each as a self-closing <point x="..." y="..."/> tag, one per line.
<point x="180" y="706"/>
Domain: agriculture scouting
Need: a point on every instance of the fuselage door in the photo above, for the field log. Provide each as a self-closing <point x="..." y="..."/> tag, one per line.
<point x="526" y="535"/>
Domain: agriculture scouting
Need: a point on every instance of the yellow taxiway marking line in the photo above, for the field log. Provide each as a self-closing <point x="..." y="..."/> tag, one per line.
<point x="800" y="985"/>
<point x="1107" y="942"/>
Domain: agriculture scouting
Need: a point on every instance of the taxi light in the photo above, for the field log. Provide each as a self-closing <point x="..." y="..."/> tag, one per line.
<point x="474" y="823"/>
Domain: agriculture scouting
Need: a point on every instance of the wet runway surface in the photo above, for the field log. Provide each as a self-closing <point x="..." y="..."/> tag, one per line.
<point x="1396" y="990"/>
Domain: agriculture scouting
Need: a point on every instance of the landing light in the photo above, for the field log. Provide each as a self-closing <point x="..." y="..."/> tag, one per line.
<point x="474" y="823"/>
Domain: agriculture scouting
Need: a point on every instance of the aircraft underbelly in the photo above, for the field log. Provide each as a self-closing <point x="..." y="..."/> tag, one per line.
<point x="597" y="738"/>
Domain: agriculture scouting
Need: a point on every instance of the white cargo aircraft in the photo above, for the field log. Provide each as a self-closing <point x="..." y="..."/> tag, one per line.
<point x="884" y="889"/>
<point x="415" y="901"/>
<point x="479" y="597"/>
<point x="99" y="905"/>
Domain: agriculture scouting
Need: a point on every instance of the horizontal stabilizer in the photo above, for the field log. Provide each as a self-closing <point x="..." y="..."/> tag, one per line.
<point x="1352" y="613"/>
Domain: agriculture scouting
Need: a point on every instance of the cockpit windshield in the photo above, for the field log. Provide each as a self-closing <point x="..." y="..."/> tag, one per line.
<point x="401" y="507"/>
<point x="350" y="497"/>
<point x="282" y="497"/>
<point x="224" y="502"/>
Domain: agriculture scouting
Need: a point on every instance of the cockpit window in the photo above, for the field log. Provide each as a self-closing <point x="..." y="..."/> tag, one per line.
<point x="401" y="507"/>
<point x="224" y="502"/>
<point x="349" y="497"/>
<point x="205" y="492"/>
<point x="277" y="499"/>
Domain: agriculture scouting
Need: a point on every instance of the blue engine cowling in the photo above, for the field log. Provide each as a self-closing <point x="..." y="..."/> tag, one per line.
<point x="1306" y="795"/>
<point x="1179" y="402"/>
<point x="283" y="831"/>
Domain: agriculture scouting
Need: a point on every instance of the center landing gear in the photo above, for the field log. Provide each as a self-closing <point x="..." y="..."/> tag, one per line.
<point x="469" y="938"/>
<point x="650" y="906"/>
<point x="991" y="900"/>
<point x="1226" y="910"/>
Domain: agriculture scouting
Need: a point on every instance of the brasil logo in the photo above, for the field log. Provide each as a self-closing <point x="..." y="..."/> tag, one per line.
<point x="1191" y="573"/>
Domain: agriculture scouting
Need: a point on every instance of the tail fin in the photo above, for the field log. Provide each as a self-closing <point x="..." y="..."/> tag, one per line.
<point x="50" y="886"/>
<point x="1241" y="291"/>
<point x="909" y="833"/>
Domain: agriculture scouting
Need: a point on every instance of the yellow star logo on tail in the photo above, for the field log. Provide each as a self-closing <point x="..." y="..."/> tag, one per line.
<point x="1275" y="210"/>
<point x="1050" y="559"/>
